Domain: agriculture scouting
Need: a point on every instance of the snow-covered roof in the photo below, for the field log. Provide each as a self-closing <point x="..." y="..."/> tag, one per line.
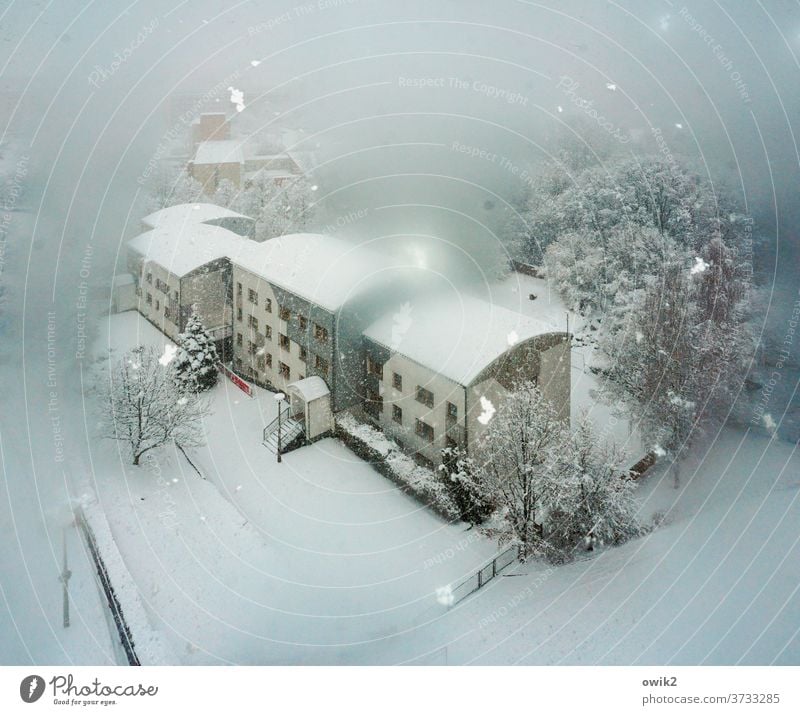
<point x="324" y="270"/>
<point x="182" y="214"/>
<point x="311" y="388"/>
<point x="184" y="248"/>
<point x="226" y="151"/>
<point x="456" y="335"/>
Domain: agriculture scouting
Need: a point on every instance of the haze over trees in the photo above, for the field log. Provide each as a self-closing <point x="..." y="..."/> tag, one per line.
<point x="658" y="261"/>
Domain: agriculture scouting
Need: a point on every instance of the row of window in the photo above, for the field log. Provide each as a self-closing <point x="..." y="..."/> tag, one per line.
<point x="422" y="395"/>
<point x="160" y="285"/>
<point x="320" y="364"/>
<point x="320" y="332"/>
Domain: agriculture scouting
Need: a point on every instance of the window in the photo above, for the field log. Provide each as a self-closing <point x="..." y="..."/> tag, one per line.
<point x="320" y="333"/>
<point x="251" y="347"/>
<point x="158" y="305"/>
<point x="424" y="430"/>
<point x="176" y="295"/>
<point x="424" y="396"/>
<point x="283" y="369"/>
<point x="150" y="278"/>
<point x="252" y="296"/>
<point x="397" y="381"/>
<point x="167" y="313"/>
<point x="284" y="313"/>
<point x="239" y="314"/>
<point x="397" y="414"/>
<point x="283" y="341"/>
<point x="260" y="362"/>
<point x="149" y="299"/>
<point x="238" y="289"/>
<point x="452" y="413"/>
<point x="303" y="354"/>
<point x="268" y="360"/>
<point x="303" y="322"/>
<point x="268" y="305"/>
<point x="301" y="377"/>
<point x="373" y="404"/>
<point x="268" y="332"/>
<point x="374" y="368"/>
<point x="252" y="321"/>
<point x="321" y="365"/>
<point x="239" y="339"/>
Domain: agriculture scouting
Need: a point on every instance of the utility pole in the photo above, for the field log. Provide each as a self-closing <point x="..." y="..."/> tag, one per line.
<point x="64" y="578"/>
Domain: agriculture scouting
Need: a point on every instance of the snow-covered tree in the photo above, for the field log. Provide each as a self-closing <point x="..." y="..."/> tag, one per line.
<point x="590" y="499"/>
<point x="172" y="186"/>
<point x="196" y="359"/>
<point x="279" y="208"/>
<point x="142" y="406"/>
<point x="458" y="473"/>
<point x="226" y="193"/>
<point x="679" y="357"/>
<point x="520" y="449"/>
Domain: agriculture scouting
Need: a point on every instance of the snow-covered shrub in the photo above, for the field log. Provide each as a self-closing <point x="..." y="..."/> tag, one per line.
<point x="385" y="455"/>
<point x="458" y="473"/>
<point x="196" y="359"/>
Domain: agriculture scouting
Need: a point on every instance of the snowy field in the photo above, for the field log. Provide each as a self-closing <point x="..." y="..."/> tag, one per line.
<point x="321" y="560"/>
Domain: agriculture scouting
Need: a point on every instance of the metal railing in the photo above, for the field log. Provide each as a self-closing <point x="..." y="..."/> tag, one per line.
<point x="484" y="574"/>
<point x="272" y="426"/>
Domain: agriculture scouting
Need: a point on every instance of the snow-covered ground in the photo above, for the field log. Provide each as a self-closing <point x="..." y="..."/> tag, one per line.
<point x="318" y="559"/>
<point x="321" y="560"/>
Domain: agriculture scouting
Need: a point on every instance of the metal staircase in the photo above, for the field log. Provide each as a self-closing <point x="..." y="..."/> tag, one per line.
<point x="291" y="432"/>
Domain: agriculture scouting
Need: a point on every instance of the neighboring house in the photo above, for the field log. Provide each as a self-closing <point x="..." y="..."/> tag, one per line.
<point x="437" y="370"/>
<point x="212" y="126"/>
<point x="176" y="217"/>
<point x="217" y="160"/>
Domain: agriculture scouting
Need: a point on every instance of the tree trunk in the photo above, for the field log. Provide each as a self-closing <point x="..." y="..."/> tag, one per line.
<point x="676" y="475"/>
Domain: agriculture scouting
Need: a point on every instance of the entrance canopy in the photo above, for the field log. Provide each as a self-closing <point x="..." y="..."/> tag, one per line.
<point x="310" y="388"/>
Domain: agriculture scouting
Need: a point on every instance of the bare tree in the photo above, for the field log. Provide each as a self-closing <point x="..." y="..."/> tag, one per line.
<point x="142" y="406"/>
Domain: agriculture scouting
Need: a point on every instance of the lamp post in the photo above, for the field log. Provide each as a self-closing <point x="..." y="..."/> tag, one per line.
<point x="279" y="398"/>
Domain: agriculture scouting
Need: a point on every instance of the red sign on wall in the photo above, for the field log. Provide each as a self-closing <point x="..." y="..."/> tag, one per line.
<point x="235" y="379"/>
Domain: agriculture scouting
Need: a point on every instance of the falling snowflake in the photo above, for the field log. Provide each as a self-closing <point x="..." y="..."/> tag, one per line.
<point x="488" y="411"/>
<point x="699" y="266"/>
<point x="769" y="423"/>
<point x="678" y="125"/>
<point x="237" y="98"/>
<point x="639" y="336"/>
<point x="611" y="87"/>
<point x="255" y="63"/>
<point x="560" y="108"/>
<point x="444" y="596"/>
<point x="659" y="451"/>
<point x="169" y="355"/>
<point x="512" y="338"/>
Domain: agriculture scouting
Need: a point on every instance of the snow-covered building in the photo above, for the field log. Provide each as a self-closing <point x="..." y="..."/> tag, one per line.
<point x="437" y="370"/>
<point x="300" y="305"/>
<point x="322" y="319"/>
<point x="182" y="264"/>
<point x="210" y="126"/>
<point x="176" y="217"/>
<point x="217" y="160"/>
